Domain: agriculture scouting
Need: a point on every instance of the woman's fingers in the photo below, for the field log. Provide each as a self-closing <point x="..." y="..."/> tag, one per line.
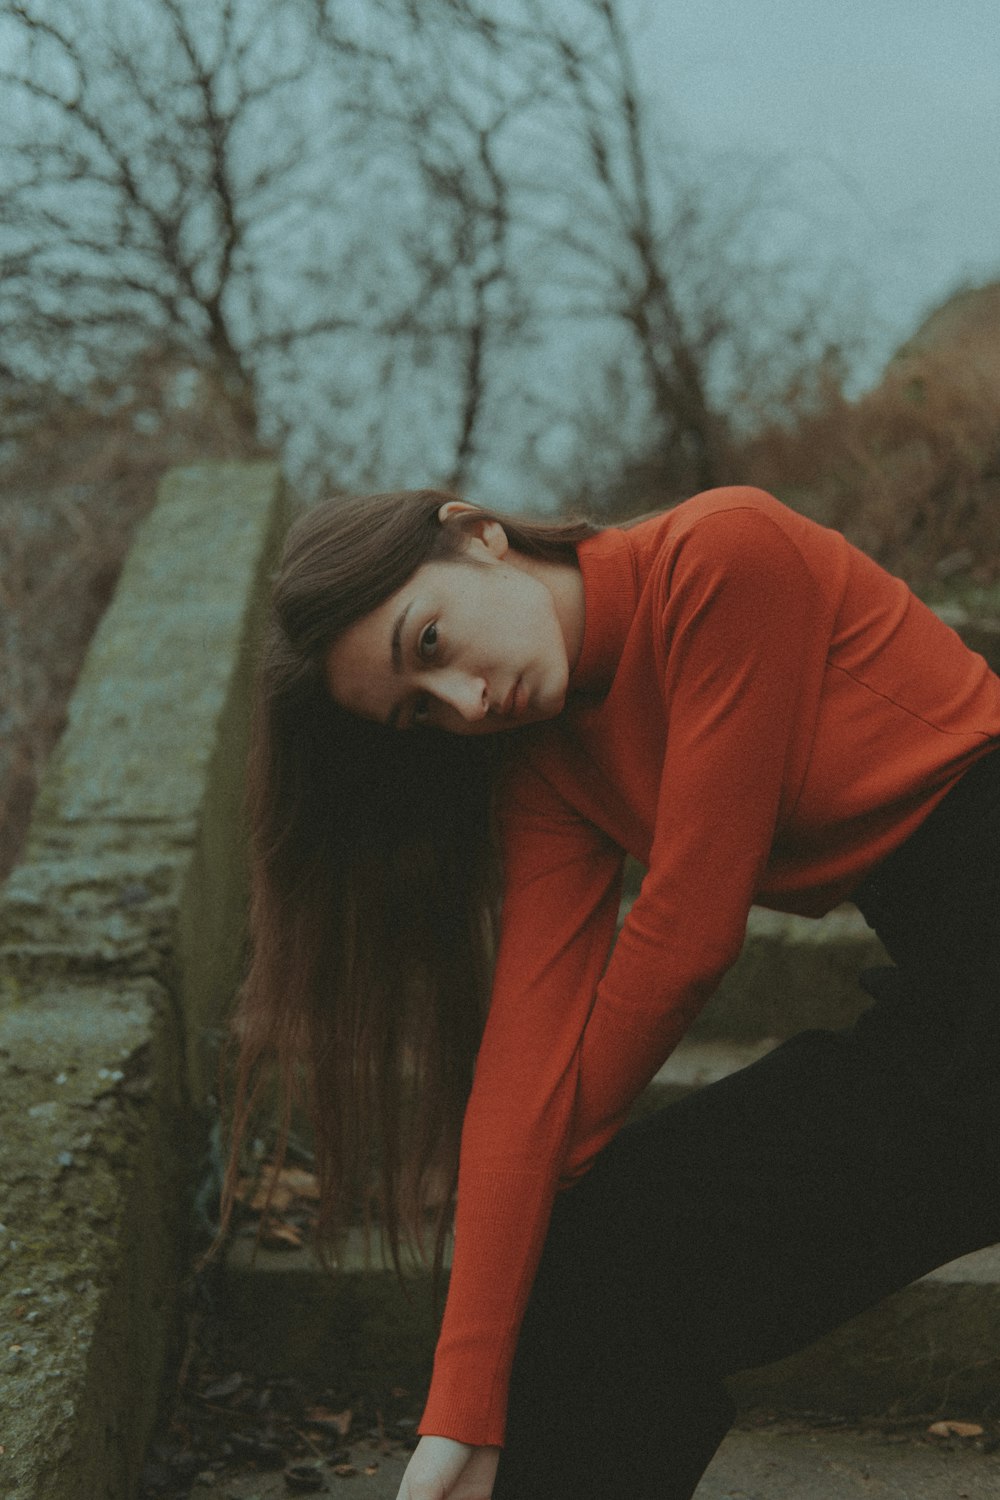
<point x="442" y="1469"/>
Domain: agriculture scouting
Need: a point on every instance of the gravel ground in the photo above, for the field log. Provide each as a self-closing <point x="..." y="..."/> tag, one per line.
<point x="777" y="1462"/>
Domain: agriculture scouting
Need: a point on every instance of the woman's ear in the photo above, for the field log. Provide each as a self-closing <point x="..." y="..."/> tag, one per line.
<point x="476" y="527"/>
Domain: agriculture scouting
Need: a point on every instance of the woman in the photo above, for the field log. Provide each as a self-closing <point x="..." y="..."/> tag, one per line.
<point x="755" y="711"/>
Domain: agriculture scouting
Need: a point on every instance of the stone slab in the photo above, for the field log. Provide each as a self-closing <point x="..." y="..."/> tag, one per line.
<point x="794" y="973"/>
<point x="121" y="935"/>
<point x="94" y="1150"/>
<point x="935" y="1342"/>
<point x="135" y="858"/>
<point x="937" y="1339"/>
<point x="142" y="722"/>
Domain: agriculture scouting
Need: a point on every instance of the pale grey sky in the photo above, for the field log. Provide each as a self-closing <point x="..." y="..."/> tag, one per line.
<point x="887" y="111"/>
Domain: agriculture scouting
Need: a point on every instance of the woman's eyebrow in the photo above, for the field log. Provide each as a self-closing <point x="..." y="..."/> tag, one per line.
<point x="397" y="638"/>
<point x="396" y="651"/>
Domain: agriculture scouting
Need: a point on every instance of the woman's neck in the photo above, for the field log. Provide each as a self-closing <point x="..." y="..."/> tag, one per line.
<point x="565" y="583"/>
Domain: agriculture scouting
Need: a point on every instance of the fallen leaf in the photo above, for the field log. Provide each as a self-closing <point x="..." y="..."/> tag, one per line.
<point x="300" y="1182"/>
<point x="275" y="1234"/>
<point x="335" y="1421"/>
<point x="344" y="1471"/>
<point x="276" y="1191"/>
<point x="371" y="1470"/>
<point x="272" y="1200"/>
<point x="955" y="1429"/>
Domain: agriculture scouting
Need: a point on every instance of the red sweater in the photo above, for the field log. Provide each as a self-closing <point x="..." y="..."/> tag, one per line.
<point x="759" y="714"/>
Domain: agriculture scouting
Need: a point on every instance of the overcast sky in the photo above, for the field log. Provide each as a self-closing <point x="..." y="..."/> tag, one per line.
<point x="888" y="112"/>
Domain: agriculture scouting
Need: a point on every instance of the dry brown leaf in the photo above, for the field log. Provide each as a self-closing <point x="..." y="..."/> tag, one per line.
<point x="339" y="1421"/>
<point x="275" y="1191"/>
<point x="273" y="1200"/>
<point x="275" y="1234"/>
<point x="300" y="1182"/>
<point x="344" y="1471"/>
<point x="955" y="1429"/>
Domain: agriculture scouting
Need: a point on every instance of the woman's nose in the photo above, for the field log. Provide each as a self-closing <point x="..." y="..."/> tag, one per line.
<point x="467" y="695"/>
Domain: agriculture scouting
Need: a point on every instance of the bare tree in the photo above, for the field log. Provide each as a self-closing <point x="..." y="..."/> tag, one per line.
<point x="159" y="159"/>
<point x="568" y="207"/>
<point x="416" y="240"/>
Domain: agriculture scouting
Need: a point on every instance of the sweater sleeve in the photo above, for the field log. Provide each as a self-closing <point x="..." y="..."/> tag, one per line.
<point x="745" y="634"/>
<point x="562" y="886"/>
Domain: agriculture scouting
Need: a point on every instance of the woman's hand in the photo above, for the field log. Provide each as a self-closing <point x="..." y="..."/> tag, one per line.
<point x="442" y="1469"/>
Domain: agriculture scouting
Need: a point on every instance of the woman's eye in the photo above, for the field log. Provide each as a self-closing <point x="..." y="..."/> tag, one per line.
<point x="428" y="642"/>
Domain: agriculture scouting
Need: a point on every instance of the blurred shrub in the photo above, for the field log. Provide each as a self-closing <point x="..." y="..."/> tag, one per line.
<point x="911" y="471"/>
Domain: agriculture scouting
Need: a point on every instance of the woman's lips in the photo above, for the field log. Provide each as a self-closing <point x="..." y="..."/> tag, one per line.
<point x="509" y="707"/>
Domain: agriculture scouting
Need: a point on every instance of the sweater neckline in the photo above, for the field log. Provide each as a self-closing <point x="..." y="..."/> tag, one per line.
<point x="610" y="595"/>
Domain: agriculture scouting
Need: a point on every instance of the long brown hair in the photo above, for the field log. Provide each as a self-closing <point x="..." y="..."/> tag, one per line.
<point x="375" y="882"/>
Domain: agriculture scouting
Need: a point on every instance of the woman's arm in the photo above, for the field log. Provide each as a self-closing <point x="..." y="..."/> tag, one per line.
<point x="744" y="624"/>
<point x="562" y="892"/>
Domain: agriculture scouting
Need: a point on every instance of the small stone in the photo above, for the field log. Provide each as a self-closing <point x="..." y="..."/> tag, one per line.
<point x="65" y="1159"/>
<point x="304" y="1479"/>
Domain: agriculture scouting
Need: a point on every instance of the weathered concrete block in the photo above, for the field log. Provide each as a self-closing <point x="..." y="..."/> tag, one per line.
<point x="350" y="1328"/>
<point x="933" y="1347"/>
<point x="135" y="858"/>
<point x="793" y="973"/>
<point x="120" y="944"/>
<point x="94" y="1147"/>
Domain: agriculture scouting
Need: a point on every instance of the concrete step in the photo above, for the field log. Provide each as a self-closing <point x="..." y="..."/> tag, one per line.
<point x="933" y="1348"/>
<point x="696" y="1061"/>
<point x="936" y="1341"/>
<point x="794" y="973"/>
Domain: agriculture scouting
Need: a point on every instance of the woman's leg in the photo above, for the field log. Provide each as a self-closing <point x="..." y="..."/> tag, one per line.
<point x="728" y="1230"/>
<point x="743" y="1222"/>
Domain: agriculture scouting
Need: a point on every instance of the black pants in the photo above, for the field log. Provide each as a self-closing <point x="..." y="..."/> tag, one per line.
<point x="739" y="1224"/>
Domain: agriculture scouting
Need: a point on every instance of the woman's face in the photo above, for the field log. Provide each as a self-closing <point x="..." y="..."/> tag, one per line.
<point x="472" y="645"/>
